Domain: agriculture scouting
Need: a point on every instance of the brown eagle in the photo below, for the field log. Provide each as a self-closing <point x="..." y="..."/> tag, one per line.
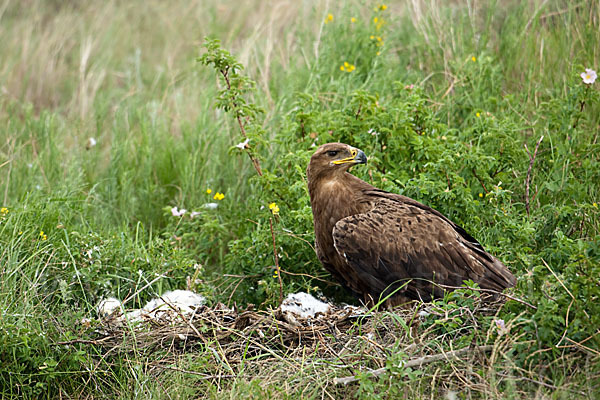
<point x="378" y="243"/>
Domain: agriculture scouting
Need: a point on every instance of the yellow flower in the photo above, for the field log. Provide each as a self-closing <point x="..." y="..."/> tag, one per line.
<point x="4" y="210"/>
<point x="352" y="20"/>
<point x="478" y="115"/>
<point x="20" y="232"/>
<point x="43" y="235"/>
<point x="383" y="7"/>
<point x="595" y="205"/>
<point x="274" y="208"/>
<point x="347" y="67"/>
<point x="375" y="20"/>
<point x="372" y="37"/>
<point x="209" y="191"/>
<point x="219" y="196"/>
<point x="329" y="18"/>
<point x="473" y="58"/>
<point x="480" y="194"/>
<point x="378" y="53"/>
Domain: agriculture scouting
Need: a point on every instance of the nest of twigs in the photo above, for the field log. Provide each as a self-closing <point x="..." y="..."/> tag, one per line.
<point x="451" y="345"/>
<point x="237" y="332"/>
<point x="351" y="339"/>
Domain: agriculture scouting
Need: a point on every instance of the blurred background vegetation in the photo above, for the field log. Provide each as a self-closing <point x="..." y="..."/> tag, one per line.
<point x="107" y="121"/>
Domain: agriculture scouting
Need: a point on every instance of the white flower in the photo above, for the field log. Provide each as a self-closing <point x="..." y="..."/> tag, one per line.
<point x="210" y="206"/>
<point x="243" y="145"/>
<point x="195" y="214"/>
<point x="589" y="76"/>
<point x="502" y="329"/>
<point x="91" y="142"/>
<point x="373" y="132"/>
<point x="178" y="213"/>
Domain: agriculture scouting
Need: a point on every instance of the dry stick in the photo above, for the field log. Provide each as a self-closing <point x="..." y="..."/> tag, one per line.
<point x="254" y="160"/>
<point x="417" y="362"/>
<point x="248" y="338"/>
<point x="200" y="375"/>
<point x="311" y="277"/>
<point x="278" y="270"/>
<point x="528" y="179"/>
<point x="128" y="298"/>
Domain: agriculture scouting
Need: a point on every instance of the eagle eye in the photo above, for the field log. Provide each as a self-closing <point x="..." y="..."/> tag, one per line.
<point x="332" y="153"/>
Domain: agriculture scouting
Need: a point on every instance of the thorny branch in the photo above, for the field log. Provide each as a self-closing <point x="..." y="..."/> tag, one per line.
<point x="255" y="162"/>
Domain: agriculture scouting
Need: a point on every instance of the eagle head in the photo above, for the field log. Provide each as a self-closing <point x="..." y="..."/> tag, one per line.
<point x="334" y="158"/>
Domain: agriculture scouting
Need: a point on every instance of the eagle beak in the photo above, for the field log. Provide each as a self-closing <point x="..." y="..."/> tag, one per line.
<point x="360" y="158"/>
<point x="357" y="157"/>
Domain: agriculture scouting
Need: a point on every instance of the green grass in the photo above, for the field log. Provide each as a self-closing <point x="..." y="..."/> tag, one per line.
<point x="488" y="78"/>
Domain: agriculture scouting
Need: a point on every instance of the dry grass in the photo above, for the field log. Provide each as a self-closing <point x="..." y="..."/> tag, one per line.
<point x="64" y="55"/>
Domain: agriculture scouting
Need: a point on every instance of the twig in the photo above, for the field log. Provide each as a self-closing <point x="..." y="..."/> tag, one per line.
<point x="448" y="180"/>
<point x="582" y="104"/>
<point x="254" y="160"/>
<point x="330" y="283"/>
<point x="528" y="179"/>
<point x="558" y="279"/>
<point x="277" y="270"/>
<point x="82" y="341"/>
<point x="128" y="298"/>
<point x="234" y="290"/>
<point x="479" y="179"/>
<point x="417" y="362"/>
<point x="200" y="374"/>
<point x="580" y="346"/>
<point x="358" y="111"/>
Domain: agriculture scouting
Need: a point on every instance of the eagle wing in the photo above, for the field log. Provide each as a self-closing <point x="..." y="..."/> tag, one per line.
<point x="400" y="240"/>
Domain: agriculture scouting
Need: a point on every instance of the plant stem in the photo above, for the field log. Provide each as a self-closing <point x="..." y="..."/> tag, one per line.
<point x="254" y="160"/>
<point x="277" y="269"/>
